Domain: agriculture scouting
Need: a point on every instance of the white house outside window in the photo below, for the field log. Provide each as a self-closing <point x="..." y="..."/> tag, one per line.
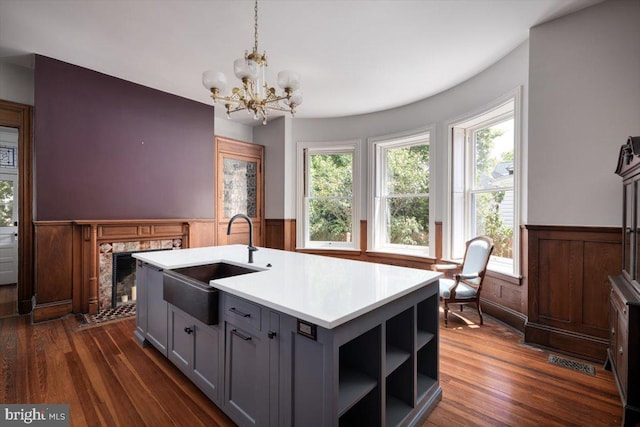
<point x="329" y="202"/>
<point x="401" y="187"/>
<point x="484" y="197"/>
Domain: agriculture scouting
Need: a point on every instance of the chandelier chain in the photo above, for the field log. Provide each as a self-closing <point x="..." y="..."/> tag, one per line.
<point x="255" y="27"/>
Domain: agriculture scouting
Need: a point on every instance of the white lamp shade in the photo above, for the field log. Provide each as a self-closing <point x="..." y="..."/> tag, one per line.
<point x="288" y="79"/>
<point x="214" y="79"/>
<point x="296" y="98"/>
<point x="245" y="68"/>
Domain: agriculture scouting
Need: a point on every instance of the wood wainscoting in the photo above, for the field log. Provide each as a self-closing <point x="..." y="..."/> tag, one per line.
<point x="569" y="287"/>
<point x="67" y="257"/>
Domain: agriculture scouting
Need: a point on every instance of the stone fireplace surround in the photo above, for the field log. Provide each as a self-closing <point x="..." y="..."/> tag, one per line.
<point x="106" y="263"/>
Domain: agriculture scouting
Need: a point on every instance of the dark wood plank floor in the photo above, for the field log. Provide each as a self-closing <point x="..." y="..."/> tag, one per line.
<point x="8" y="300"/>
<point x="488" y="378"/>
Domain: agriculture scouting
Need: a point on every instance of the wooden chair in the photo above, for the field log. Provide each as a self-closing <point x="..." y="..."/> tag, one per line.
<point x="464" y="287"/>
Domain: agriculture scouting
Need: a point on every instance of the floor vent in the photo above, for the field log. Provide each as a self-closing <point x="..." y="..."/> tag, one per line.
<point x="120" y="312"/>
<point x="572" y="364"/>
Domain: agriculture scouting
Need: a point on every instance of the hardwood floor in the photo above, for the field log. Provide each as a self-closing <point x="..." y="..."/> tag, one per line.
<point x="8" y="300"/>
<point x="488" y="378"/>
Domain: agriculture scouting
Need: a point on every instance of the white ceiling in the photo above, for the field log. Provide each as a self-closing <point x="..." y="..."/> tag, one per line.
<point x="354" y="57"/>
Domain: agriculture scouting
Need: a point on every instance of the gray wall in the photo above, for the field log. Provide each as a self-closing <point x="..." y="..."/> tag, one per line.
<point x="584" y="103"/>
<point x="16" y="83"/>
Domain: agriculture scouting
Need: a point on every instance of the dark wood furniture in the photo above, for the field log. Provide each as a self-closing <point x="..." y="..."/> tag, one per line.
<point x="624" y="315"/>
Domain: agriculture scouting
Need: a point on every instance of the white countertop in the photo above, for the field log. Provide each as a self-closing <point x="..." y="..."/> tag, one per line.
<point x="322" y="290"/>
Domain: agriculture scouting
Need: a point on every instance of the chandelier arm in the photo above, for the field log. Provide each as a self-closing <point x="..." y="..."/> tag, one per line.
<point x="228" y="99"/>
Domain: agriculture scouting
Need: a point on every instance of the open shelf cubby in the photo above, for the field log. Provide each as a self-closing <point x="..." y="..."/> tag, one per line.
<point x="359" y="372"/>
<point x="427" y="368"/>
<point x="399" y="340"/>
<point x="366" y="412"/>
<point x="427" y="346"/>
<point x="427" y="321"/>
<point x="399" y="394"/>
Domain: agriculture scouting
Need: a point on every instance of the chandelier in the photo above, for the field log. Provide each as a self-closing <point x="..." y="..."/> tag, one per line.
<point x="255" y="96"/>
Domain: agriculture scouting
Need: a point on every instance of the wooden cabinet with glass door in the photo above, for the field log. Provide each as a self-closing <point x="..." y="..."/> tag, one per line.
<point x="239" y="189"/>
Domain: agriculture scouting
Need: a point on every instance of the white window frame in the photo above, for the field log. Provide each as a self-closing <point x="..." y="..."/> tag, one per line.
<point x="376" y="228"/>
<point x="303" y="150"/>
<point x="459" y="183"/>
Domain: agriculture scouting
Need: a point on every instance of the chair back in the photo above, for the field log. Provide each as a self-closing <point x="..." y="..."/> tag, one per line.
<point x="476" y="258"/>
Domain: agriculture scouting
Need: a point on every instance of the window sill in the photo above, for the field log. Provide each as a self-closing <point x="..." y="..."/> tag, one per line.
<point x="399" y="255"/>
<point x="330" y="250"/>
<point x="507" y="277"/>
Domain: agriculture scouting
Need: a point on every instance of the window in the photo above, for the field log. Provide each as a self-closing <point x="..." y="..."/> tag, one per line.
<point x="484" y="196"/>
<point x="401" y="184"/>
<point x="330" y="195"/>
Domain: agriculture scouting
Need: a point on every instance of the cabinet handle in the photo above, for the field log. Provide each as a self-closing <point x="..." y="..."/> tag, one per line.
<point x="624" y="311"/>
<point x="244" y="337"/>
<point x="613" y="331"/>
<point x="239" y="313"/>
<point x="272" y="334"/>
<point x="620" y="351"/>
<point x="188" y="330"/>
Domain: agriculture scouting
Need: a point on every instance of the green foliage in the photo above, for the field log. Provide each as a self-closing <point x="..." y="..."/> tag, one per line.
<point x="6" y="203"/>
<point x="408" y="180"/>
<point x="489" y="221"/>
<point x="331" y="181"/>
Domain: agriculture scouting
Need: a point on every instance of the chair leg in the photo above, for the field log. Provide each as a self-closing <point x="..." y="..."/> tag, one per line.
<point x="479" y="311"/>
<point x="446" y="314"/>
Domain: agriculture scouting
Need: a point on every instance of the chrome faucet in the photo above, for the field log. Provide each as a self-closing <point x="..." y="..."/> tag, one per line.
<point x="251" y="248"/>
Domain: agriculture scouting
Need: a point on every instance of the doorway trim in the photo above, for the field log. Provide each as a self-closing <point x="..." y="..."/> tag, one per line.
<point x="19" y="116"/>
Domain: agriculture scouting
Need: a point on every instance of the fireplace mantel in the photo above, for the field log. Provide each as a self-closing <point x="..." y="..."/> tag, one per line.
<point x="67" y="267"/>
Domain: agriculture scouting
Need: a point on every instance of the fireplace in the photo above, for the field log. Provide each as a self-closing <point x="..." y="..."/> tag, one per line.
<point x="116" y="264"/>
<point x="123" y="289"/>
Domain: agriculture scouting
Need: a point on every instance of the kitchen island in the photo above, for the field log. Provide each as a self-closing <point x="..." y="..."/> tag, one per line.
<point x="296" y="339"/>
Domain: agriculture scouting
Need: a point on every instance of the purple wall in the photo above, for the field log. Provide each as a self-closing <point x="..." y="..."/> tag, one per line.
<point x="106" y="148"/>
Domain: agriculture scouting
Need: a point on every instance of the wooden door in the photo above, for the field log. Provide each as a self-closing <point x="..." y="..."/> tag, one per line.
<point x="239" y="189"/>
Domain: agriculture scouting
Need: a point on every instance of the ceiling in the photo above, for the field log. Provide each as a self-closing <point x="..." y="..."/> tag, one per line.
<point x="354" y="57"/>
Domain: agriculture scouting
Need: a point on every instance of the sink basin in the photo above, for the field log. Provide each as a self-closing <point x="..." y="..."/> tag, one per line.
<point x="218" y="270"/>
<point x="188" y="288"/>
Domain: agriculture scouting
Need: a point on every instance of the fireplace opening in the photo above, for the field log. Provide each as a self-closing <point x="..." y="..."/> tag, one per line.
<point x="123" y="289"/>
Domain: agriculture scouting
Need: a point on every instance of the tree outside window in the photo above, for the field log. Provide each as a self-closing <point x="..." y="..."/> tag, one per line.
<point x="400" y="209"/>
<point x="330" y="197"/>
<point x="491" y="195"/>
<point x="406" y="195"/>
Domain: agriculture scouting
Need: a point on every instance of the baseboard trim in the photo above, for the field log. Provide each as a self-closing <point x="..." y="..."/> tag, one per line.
<point x="504" y="314"/>
<point x="53" y="310"/>
<point x="567" y="342"/>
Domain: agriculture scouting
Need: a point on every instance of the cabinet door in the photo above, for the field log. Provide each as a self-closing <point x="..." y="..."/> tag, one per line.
<point x="157" y="324"/>
<point x="181" y="339"/>
<point x="247" y="376"/>
<point x="206" y="359"/>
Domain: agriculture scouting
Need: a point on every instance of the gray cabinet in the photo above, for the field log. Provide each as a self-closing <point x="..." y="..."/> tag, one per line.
<point x="266" y="368"/>
<point x="381" y="366"/>
<point x="151" y="315"/>
<point x="251" y="362"/>
<point x="195" y="349"/>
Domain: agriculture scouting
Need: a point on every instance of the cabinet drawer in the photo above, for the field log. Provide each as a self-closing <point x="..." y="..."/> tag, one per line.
<point x="242" y="312"/>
